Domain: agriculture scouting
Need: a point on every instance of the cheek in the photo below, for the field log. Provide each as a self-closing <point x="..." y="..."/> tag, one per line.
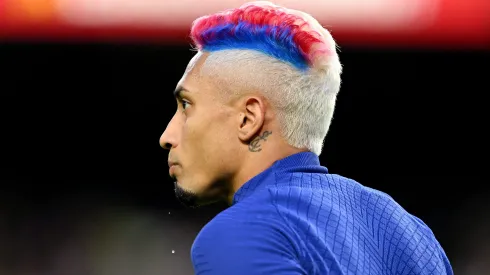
<point x="210" y="150"/>
<point x="209" y="129"/>
<point x="202" y="128"/>
<point x="197" y="139"/>
<point x="207" y="139"/>
<point x="199" y="148"/>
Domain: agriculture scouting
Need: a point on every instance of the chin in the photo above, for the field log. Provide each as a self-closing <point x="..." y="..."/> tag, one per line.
<point x="192" y="199"/>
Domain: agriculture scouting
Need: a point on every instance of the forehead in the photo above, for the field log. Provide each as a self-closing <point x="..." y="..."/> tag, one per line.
<point x="193" y="80"/>
<point x="196" y="62"/>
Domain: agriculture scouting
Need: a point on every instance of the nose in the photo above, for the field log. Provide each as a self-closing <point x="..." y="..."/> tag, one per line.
<point x="169" y="137"/>
<point x="165" y="145"/>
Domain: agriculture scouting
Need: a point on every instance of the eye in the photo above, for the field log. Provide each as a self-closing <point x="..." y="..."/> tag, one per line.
<point x="185" y="104"/>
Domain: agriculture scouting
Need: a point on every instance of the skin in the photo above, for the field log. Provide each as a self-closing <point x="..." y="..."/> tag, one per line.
<point x="217" y="143"/>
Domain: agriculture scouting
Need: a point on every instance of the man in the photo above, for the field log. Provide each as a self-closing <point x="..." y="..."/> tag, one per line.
<point x="254" y="107"/>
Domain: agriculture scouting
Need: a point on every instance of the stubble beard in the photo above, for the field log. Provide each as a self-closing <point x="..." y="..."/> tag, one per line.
<point x="186" y="197"/>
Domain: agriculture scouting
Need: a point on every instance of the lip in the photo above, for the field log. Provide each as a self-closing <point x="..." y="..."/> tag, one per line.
<point x="172" y="169"/>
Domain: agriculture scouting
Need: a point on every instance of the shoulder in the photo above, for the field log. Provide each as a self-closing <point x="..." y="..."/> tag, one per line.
<point x="247" y="238"/>
<point x="244" y="218"/>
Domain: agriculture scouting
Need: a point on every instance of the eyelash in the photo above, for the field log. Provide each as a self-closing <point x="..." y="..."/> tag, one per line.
<point x="184" y="103"/>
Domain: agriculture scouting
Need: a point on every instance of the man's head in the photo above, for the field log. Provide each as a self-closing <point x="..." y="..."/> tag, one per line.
<point x="261" y="87"/>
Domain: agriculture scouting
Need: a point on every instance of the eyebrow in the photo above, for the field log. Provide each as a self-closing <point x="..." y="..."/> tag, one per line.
<point x="178" y="91"/>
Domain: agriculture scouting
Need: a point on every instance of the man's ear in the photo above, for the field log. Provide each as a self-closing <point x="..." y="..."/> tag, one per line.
<point x="252" y="118"/>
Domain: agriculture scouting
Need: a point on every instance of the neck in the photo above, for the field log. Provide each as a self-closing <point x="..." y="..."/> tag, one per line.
<point x="255" y="162"/>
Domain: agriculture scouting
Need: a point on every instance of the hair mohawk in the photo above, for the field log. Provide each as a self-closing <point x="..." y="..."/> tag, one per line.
<point x="273" y="30"/>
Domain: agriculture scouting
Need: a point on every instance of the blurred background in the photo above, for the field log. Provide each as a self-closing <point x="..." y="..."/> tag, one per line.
<point x="86" y="91"/>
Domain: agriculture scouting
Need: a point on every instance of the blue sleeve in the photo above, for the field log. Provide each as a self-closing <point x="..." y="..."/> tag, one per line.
<point x="441" y="253"/>
<point x="256" y="247"/>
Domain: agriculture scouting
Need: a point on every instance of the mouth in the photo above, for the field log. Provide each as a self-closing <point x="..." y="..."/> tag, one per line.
<point x="172" y="165"/>
<point x="171" y="170"/>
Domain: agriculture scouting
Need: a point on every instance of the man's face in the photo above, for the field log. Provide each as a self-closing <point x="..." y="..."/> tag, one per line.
<point x="201" y="139"/>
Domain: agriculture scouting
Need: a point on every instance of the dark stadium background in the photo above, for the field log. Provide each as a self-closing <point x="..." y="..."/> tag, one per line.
<point x="84" y="186"/>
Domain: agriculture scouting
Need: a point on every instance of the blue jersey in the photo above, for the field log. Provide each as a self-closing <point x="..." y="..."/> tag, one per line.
<point x="296" y="218"/>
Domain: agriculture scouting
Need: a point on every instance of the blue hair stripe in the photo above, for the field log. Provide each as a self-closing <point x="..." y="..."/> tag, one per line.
<point x="273" y="41"/>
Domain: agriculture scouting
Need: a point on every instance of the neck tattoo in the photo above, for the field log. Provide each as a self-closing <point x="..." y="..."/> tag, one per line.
<point x="254" y="145"/>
